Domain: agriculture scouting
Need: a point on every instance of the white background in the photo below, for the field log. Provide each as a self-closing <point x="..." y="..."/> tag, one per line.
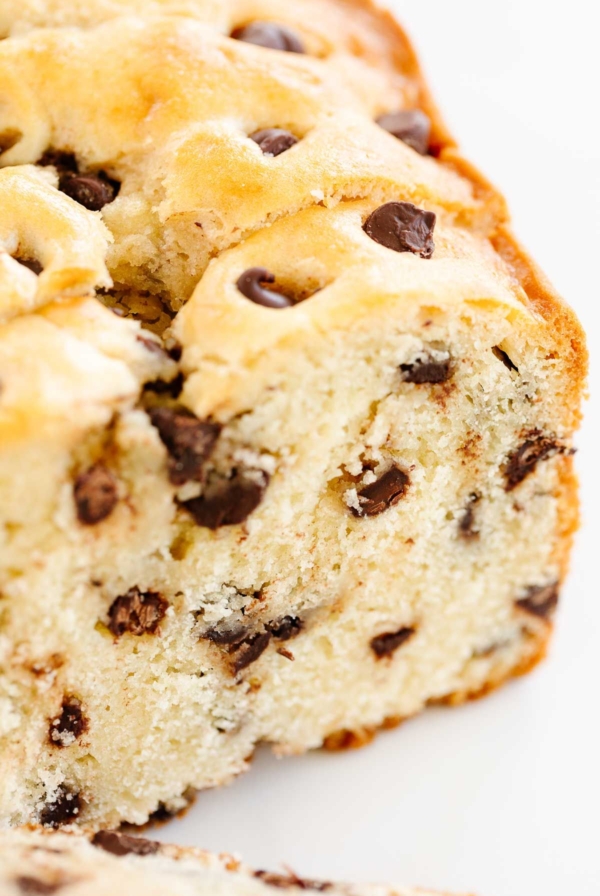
<point x="501" y="797"/>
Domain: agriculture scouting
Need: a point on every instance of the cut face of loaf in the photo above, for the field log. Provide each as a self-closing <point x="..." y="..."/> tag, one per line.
<point x="334" y="486"/>
<point x="37" y="861"/>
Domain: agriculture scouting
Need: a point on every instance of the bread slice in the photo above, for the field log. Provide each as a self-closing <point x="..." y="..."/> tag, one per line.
<point x="316" y="471"/>
<point x="40" y="861"/>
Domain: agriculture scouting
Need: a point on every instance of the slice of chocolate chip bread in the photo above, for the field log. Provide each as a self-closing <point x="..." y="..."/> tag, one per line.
<point x="41" y="862"/>
<point x="286" y="412"/>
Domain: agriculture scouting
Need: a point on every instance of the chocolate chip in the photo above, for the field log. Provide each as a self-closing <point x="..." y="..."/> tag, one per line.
<point x="427" y="369"/>
<point x="525" y="459"/>
<point x="225" y="637"/>
<point x="250" y="650"/>
<point x="122" y="844"/>
<point x="32" y="264"/>
<point x="270" y="36"/>
<point x="402" y="227"/>
<point x="540" y="600"/>
<point x="228" y="502"/>
<point x="285" y="628"/>
<point x="65" y="807"/>
<point x="69" y="725"/>
<point x="466" y="525"/>
<point x="162" y="813"/>
<point x="274" y="141"/>
<point x="95" y="493"/>
<point x="162" y="387"/>
<point x="250" y="284"/>
<point x="382" y="494"/>
<point x="411" y="126"/>
<point x="93" y="191"/>
<point x="388" y="643"/>
<point x="62" y="161"/>
<point x="137" y="612"/>
<point x="284" y="881"/>
<point x="189" y="441"/>
<point x="34" y="885"/>
<point x="502" y="356"/>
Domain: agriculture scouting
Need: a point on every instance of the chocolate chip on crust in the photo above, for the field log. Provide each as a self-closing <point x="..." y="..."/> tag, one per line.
<point x="283" y="881"/>
<point x="122" y="844"/>
<point x="427" y="369"/>
<point x="66" y="728"/>
<point x="274" y="141"/>
<point x="250" y="650"/>
<point x="34" y="885"/>
<point x="540" y="600"/>
<point x="270" y="36"/>
<point x="523" y="461"/>
<point x="64" y="808"/>
<point x="250" y="284"/>
<point x="189" y="441"/>
<point x="228" y="502"/>
<point x="383" y="493"/>
<point x="137" y="612"/>
<point x="387" y="643"/>
<point x="402" y="227"/>
<point x="95" y="493"/>
<point x="411" y="126"/>
<point x="285" y="628"/>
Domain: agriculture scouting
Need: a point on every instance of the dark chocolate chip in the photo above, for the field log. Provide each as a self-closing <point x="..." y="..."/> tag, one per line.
<point x="389" y="642"/>
<point x="62" y="161"/>
<point x="250" y="284"/>
<point x="466" y="525"/>
<point x="250" y="650"/>
<point x="69" y="725"/>
<point x="65" y="807"/>
<point x="274" y="141"/>
<point x="228" y="502"/>
<point x="32" y="264"/>
<point x="502" y="356"/>
<point x="162" y="387"/>
<point x="95" y="493"/>
<point x="162" y="813"/>
<point x="189" y="441"/>
<point x="270" y="36"/>
<point x="122" y="844"/>
<point x="284" y="881"/>
<point x="137" y="612"/>
<point x="525" y="459"/>
<point x="427" y="369"/>
<point x="93" y="191"/>
<point x="40" y="887"/>
<point x="402" y="227"/>
<point x="285" y="628"/>
<point x="384" y="493"/>
<point x="411" y="126"/>
<point x="540" y="600"/>
<point x="225" y="637"/>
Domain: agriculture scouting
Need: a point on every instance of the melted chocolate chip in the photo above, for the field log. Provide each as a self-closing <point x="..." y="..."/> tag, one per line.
<point x="427" y="369"/>
<point x="69" y="725"/>
<point x="32" y="264"/>
<point x="65" y="807"/>
<point x="189" y="441"/>
<point x="285" y="628"/>
<point x="162" y="387"/>
<point x="502" y="356"/>
<point x="274" y="141"/>
<point x="402" y="227"/>
<point x="250" y="284"/>
<point x="39" y="887"/>
<point x="270" y="36"/>
<point x="122" y="844"/>
<point x="62" y="161"/>
<point x="382" y="494"/>
<point x="525" y="459"/>
<point x="540" y="600"/>
<point x="466" y="525"/>
<point x="95" y="493"/>
<point x="137" y="612"/>
<point x="225" y="637"/>
<point x="284" y="881"/>
<point x="411" y="126"/>
<point x="389" y="642"/>
<point x="228" y="502"/>
<point x="250" y="650"/>
<point x="93" y="191"/>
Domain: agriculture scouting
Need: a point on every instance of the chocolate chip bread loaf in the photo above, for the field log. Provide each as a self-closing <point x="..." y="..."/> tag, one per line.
<point x="286" y="412"/>
<point x="42" y="862"/>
